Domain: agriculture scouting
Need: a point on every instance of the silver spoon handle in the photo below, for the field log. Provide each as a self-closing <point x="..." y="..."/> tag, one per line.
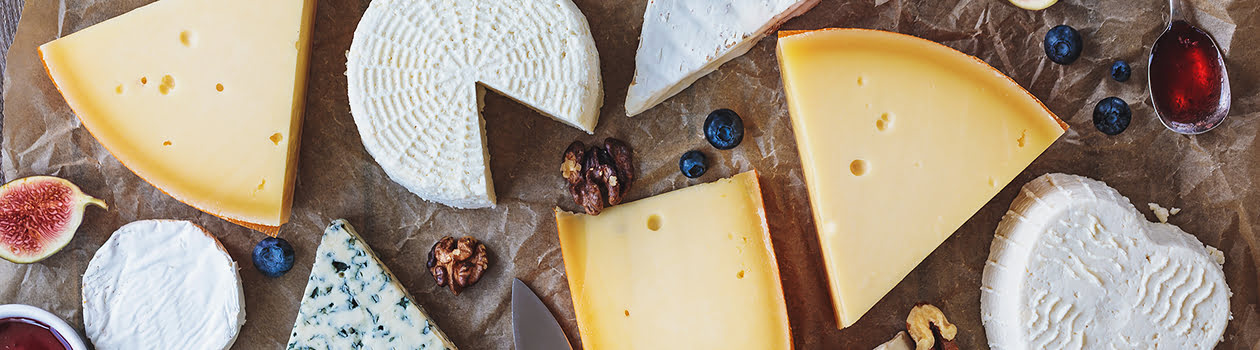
<point x="1177" y="10"/>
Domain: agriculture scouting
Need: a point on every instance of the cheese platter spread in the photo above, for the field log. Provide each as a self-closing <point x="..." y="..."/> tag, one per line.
<point x="773" y="174"/>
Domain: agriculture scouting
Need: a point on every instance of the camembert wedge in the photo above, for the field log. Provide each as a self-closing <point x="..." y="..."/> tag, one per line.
<point x="902" y="140"/>
<point x="352" y="301"/>
<point x="1075" y="266"/>
<point x="417" y="72"/>
<point x="201" y="98"/>
<point x="684" y="40"/>
<point x="689" y="269"/>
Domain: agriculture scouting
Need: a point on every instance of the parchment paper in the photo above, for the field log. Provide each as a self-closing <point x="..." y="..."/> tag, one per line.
<point x="1209" y="176"/>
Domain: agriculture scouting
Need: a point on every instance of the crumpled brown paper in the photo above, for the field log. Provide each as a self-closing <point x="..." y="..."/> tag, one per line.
<point x="1209" y="176"/>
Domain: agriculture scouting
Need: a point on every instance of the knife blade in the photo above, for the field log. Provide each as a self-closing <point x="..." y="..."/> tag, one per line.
<point x="533" y="326"/>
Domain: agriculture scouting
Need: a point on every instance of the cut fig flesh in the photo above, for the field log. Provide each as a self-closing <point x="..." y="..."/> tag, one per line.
<point x="38" y="216"/>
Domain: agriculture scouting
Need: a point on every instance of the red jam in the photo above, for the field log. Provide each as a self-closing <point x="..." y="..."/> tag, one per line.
<point x="1187" y="78"/>
<point x="20" y="333"/>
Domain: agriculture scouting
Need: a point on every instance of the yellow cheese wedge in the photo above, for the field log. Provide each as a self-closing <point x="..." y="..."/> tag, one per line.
<point x="902" y="140"/>
<point x="201" y="98"/>
<point x="689" y="269"/>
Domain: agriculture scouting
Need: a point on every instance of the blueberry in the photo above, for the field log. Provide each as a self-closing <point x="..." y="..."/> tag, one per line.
<point x="273" y="256"/>
<point x="724" y="129"/>
<point x="1120" y="71"/>
<point x="1063" y="44"/>
<point x="1112" y="116"/>
<point x="692" y="164"/>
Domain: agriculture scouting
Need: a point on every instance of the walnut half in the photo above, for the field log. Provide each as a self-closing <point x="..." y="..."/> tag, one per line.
<point x="457" y="263"/>
<point x="927" y="325"/>
<point x="598" y="176"/>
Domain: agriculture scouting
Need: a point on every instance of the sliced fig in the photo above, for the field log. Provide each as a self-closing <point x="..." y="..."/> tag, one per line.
<point x="38" y="216"/>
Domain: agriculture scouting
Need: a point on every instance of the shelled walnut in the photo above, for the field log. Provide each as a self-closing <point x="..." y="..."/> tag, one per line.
<point x="598" y="176"/>
<point x="457" y="263"/>
<point x="928" y="326"/>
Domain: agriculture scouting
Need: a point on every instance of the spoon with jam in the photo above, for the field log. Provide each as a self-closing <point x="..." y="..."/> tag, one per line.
<point x="1187" y="79"/>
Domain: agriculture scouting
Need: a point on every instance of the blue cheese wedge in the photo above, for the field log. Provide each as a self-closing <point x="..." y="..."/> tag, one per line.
<point x="353" y="302"/>
<point x="1074" y="265"/>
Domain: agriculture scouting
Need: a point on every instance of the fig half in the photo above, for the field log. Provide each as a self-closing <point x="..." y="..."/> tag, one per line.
<point x="39" y="215"/>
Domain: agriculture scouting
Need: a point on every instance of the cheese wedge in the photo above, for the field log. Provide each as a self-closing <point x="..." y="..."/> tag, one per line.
<point x="1074" y="265"/>
<point x="201" y="98"/>
<point x="352" y="301"/>
<point x="901" y="141"/>
<point x="417" y="72"/>
<point x="689" y="269"/>
<point x="684" y="40"/>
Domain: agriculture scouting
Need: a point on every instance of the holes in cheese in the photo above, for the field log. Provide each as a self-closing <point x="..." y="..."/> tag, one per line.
<point x="144" y="80"/>
<point x="276" y="138"/>
<point x="654" y="222"/>
<point x="218" y="87"/>
<point x="168" y="84"/>
<point x="118" y="89"/>
<point x="859" y="167"/>
<point x="187" y="38"/>
<point x="885" y="122"/>
<point x="166" y="143"/>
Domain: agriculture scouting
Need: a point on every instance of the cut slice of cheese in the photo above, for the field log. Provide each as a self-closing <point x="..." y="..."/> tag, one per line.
<point x="1074" y="265"/>
<point x="689" y="269"/>
<point x="416" y="76"/>
<point x="684" y="40"/>
<point x="201" y="98"/>
<point x="902" y="140"/>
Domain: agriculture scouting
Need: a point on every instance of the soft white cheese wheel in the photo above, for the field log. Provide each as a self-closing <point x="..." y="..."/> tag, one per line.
<point x="1075" y="266"/>
<point x="162" y="284"/>
<point x="417" y="72"/>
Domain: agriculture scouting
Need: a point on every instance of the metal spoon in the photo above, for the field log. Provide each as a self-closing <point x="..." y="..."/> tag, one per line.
<point x="1186" y="76"/>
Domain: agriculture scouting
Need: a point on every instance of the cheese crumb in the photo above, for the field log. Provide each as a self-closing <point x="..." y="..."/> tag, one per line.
<point x="1162" y="213"/>
<point x="1217" y="254"/>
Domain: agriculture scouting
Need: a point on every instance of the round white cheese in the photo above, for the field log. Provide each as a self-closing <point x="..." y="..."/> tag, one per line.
<point x="1074" y="265"/>
<point x="416" y="73"/>
<point x="162" y="284"/>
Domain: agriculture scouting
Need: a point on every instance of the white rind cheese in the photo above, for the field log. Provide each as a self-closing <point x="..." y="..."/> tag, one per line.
<point x="684" y="40"/>
<point x="353" y="302"/>
<point x="162" y="284"/>
<point x="417" y="71"/>
<point x="1075" y="265"/>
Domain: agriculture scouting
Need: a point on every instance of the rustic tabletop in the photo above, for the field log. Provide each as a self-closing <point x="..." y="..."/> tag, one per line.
<point x="10" y="11"/>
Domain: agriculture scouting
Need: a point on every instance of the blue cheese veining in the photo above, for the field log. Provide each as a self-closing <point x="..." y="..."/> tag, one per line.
<point x="1074" y="265"/>
<point x="352" y="301"/>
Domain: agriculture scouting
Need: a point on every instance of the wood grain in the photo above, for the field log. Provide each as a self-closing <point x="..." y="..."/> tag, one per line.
<point x="10" y="12"/>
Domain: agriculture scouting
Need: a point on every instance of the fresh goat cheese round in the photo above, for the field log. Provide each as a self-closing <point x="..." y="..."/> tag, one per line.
<point x="162" y="284"/>
<point x="417" y="73"/>
<point x="1075" y="265"/>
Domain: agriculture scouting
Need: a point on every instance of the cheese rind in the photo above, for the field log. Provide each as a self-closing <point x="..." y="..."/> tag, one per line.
<point x="203" y="99"/>
<point x="901" y="141"/>
<point x="417" y="72"/>
<point x="1074" y="265"/>
<point x="162" y="284"/>
<point x="689" y="269"/>
<point x="352" y="301"/>
<point x="683" y="40"/>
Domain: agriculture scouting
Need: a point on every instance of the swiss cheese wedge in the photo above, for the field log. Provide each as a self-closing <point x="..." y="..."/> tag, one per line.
<point x="201" y="98"/>
<point x="689" y="269"/>
<point x="901" y="140"/>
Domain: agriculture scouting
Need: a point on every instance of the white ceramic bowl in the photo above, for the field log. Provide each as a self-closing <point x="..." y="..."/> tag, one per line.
<point x="64" y="329"/>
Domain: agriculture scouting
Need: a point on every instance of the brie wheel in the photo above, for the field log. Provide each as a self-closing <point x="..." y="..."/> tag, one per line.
<point x="162" y="284"/>
<point x="1074" y="265"/>
<point x="683" y="40"/>
<point x="417" y="70"/>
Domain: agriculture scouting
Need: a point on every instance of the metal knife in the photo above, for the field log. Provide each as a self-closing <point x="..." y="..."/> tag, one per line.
<point x="533" y="326"/>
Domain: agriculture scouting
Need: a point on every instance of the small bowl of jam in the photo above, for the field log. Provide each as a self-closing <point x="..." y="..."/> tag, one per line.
<point x="27" y="327"/>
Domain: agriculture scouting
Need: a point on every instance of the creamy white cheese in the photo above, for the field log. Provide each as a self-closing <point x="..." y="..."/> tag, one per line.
<point x="352" y="301"/>
<point x="1075" y="265"/>
<point x="901" y="341"/>
<point x="683" y="40"/>
<point x="162" y="284"/>
<point x="417" y="72"/>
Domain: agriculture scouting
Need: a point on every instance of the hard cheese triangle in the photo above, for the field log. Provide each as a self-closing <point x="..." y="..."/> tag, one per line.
<point x="689" y="269"/>
<point x="684" y="40"/>
<point x="902" y="140"/>
<point x="201" y="98"/>
<point x="353" y="302"/>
